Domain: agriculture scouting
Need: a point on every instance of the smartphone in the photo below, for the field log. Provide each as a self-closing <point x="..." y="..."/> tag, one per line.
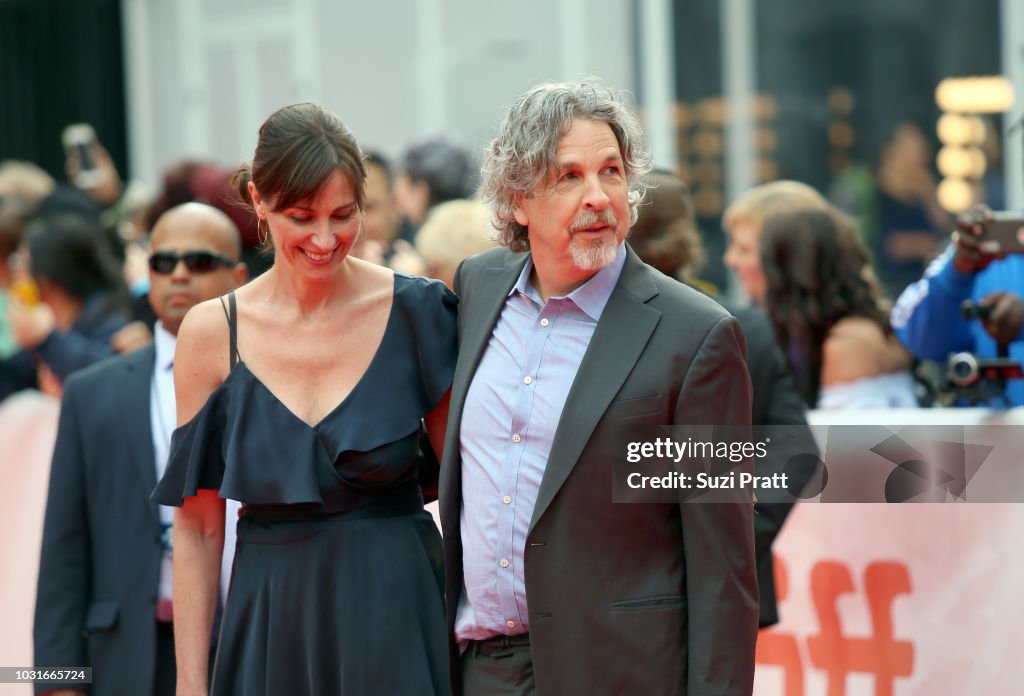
<point x="79" y="139"/>
<point x="1003" y="234"/>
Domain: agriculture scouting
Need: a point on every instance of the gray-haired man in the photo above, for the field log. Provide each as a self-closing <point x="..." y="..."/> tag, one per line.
<point x="551" y="587"/>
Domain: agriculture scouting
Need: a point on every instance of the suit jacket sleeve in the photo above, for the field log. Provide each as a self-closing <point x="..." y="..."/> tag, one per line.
<point x="64" y="569"/>
<point x="68" y="352"/>
<point x="776" y="403"/>
<point x="718" y="538"/>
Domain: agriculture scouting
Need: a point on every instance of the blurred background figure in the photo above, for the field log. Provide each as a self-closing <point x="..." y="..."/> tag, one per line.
<point x="745" y="217"/>
<point x="665" y="236"/>
<point x="22" y="186"/>
<point x="929" y="316"/>
<point x="453" y="231"/>
<point x="205" y="182"/>
<point x="382" y="221"/>
<point x="24" y="182"/>
<point x="830" y="315"/>
<point x="79" y="301"/>
<point x="430" y="172"/>
<point x="910" y="221"/>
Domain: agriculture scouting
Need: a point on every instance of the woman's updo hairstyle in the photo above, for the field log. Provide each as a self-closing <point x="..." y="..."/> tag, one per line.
<point x="299" y="148"/>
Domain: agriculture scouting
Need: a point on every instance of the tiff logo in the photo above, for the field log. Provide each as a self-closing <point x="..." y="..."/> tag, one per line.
<point x="838" y="655"/>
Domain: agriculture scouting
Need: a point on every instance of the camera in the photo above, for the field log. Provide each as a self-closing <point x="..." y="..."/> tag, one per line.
<point x="967" y="370"/>
<point x="973" y="310"/>
<point x="967" y="377"/>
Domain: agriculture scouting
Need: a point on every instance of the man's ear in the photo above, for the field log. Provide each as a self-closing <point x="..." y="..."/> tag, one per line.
<point x="519" y="212"/>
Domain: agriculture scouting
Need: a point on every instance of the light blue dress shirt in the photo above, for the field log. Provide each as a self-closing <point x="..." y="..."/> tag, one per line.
<point x="511" y="413"/>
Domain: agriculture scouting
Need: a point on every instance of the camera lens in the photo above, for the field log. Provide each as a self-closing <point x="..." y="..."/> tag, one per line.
<point x="962" y="369"/>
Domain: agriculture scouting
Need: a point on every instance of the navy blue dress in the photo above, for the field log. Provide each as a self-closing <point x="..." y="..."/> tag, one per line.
<point x="337" y="579"/>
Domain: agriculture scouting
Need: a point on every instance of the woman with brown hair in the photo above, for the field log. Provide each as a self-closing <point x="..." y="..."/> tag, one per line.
<point x="303" y="398"/>
<point x="829" y="314"/>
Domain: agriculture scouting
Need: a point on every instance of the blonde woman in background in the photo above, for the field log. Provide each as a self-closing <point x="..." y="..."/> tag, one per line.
<point x="805" y="264"/>
<point x="452" y="232"/>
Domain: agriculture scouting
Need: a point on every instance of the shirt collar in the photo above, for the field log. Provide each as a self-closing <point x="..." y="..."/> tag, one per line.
<point x="591" y="297"/>
<point x="164" y="342"/>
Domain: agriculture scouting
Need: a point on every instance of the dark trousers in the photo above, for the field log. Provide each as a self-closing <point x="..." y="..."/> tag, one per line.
<point x="498" y="667"/>
<point x="166" y="677"/>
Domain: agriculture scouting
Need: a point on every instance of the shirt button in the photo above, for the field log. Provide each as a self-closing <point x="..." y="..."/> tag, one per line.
<point x="516" y="437"/>
<point x="510" y="624"/>
<point x="527" y="380"/>
<point x="544" y="321"/>
<point x="507" y="499"/>
<point x="503" y="563"/>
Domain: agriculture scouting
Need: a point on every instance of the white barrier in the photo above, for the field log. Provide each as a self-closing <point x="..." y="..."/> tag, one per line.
<point x="28" y="429"/>
<point x="901" y="600"/>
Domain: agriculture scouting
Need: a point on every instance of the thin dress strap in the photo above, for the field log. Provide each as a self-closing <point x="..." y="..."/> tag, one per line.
<point x="232" y="317"/>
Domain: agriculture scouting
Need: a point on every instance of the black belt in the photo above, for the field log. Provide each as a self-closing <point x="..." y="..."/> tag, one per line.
<point x="496" y="644"/>
<point x="389" y="506"/>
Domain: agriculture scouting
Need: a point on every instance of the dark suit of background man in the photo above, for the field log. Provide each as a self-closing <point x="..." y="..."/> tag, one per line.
<point x="551" y="587"/>
<point x="104" y="575"/>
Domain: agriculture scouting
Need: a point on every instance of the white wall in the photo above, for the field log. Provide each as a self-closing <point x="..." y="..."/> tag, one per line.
<point x="203" y="74"/>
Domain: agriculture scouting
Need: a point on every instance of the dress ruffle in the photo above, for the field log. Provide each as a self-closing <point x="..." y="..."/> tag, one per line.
<point x="245" y="442"/>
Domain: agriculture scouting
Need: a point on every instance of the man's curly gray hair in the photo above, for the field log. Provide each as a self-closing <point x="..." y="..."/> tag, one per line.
<point x="523" y="154"/>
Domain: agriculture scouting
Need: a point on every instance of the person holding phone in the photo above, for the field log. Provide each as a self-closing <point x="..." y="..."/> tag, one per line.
<point x="89" y="165"/>
<point x="927" y="317"/>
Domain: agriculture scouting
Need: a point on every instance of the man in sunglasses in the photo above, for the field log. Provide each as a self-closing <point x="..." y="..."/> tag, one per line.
<point x="104" y="584"/>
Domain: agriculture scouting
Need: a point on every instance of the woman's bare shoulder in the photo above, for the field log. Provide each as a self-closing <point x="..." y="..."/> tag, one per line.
<point x="850" y="351"/>
<point x="205" y="324"/>
<point x="859" y="348"/>
<point x="202" y="353"/>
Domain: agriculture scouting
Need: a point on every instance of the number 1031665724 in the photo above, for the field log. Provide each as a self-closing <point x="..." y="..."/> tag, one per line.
<point x="47" y="675"/>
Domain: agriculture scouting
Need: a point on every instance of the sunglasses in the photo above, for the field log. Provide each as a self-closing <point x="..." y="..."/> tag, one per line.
<point x="164" y="262"/>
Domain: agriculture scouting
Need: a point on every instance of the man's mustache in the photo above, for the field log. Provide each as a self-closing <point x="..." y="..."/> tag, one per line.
<point x="591" y="218"/>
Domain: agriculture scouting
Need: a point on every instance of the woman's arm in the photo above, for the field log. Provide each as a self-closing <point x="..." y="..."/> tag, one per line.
<point x="200" y="366"/>
<point x="437" y="422"/>
<point x="198" y="545"/>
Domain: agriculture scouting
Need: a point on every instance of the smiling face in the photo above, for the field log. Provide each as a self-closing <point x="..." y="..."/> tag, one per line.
<point x="578" y="216"/>
<point x="316" y="234"/>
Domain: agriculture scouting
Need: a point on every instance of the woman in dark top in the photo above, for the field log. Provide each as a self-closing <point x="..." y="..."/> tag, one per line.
<point x="302" y="398"/>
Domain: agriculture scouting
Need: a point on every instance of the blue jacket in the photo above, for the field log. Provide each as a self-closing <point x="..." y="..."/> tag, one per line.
<point x="927" y="317"/>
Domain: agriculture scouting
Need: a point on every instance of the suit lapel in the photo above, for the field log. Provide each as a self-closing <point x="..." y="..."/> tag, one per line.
<point x="619" y="338"/>
<point x="480" y="306"/>
<point x="135" y="415"/>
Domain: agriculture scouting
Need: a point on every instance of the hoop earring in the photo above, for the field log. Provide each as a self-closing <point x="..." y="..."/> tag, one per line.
<point x="261" y="226"/>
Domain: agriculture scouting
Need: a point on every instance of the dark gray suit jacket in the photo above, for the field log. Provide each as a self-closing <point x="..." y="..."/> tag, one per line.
<point x="623" y="598"/>
<point x="100" y="563"/>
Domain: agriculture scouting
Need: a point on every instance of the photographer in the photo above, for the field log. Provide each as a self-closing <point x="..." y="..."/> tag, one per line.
<point x="928" y="316"/>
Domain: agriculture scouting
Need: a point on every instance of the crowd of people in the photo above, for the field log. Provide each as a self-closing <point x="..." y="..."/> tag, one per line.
<point x="265" y="370"/>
